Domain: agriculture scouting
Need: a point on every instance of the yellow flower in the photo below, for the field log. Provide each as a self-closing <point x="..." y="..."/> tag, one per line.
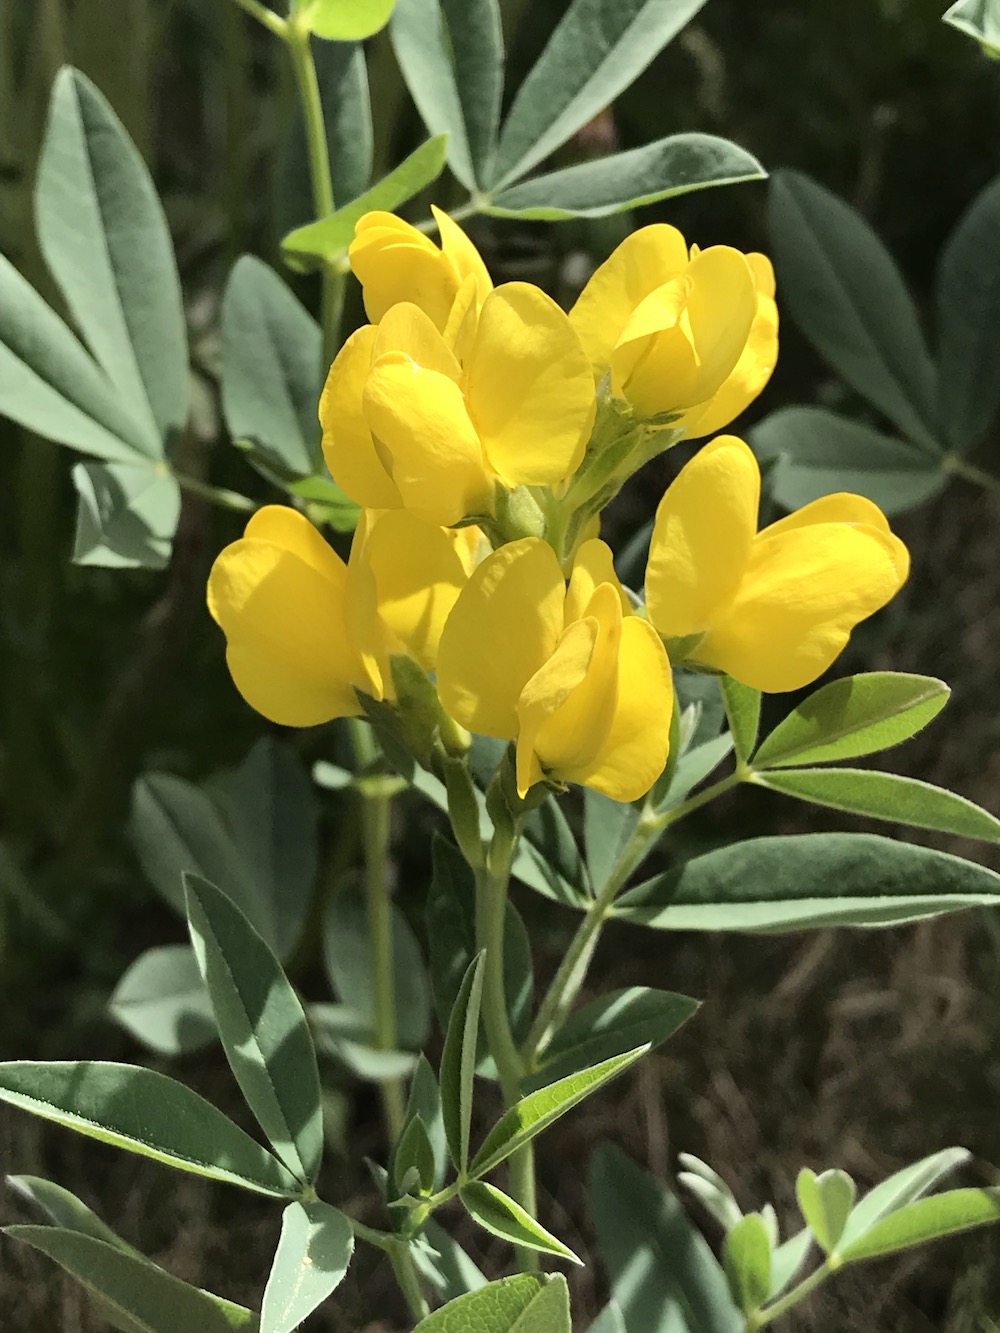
<point x="303" y="630"/>
<point x="394" y="262"/>
<point x="772" y="609"/>
<point x="581" y="683"/>
<point x="692" y="333"/>
<point x="408" y="423"/>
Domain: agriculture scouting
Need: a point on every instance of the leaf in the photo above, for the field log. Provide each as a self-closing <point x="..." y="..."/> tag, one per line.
<point x="885" y="796"/>
<point x="788" y="1259"/>
<point x="502" y="1216"/>
<point x="854" y="716"/>
<point x="458" y="1062"/>
<point x="607" y="827"/>
<point x="900" y="1189"/>
<point x="451" y="55"/>
<point x="49" y="384"/>
<point x="414" y="1152"/>
<point x="664" y="169"/>
<point x="145" y="1113"/>
<point x="548" y="1312"/>
<point x="610" y="1320"/>
<point x="821" y="453"/>
<point x="104" y="238"/>
<point x="425" y="1101"/>
<point x="535" y="1112"/>
<point x="444" y="1263"/>
<point x="814" y="879"/>
<point x="598" y="49"/>
<point x="747" y="1261"/>
<point x="326" y="241"/>
<point x="825" y="1202"/>
<point x="126" y="517"/>
<point x="65" y="1210"/>
<point x="693" y="768"/>
<point x="663" y="1274"/>
<point x="968" y="304"/>
<point x="347" y="952"/>
<point x="610" y="1026"/>
<point x="492" y="1309"/>
<point x="345" y="20"/>
<point x="263" y="1029"/>
<point x="161" y="999"/>
<point x="978" y="19"/>
<point x="274" y="818"/>
<point x="927" y="1219"/>
<point x="709" y="1187"/>
<point x="847" y="296"/>
<point x="314" y="1250"/>
<point x="142" y="1297"/>
<point x="271" y="368"/>
<point x="339" y="1032"/>
<point x="743" y="712"/>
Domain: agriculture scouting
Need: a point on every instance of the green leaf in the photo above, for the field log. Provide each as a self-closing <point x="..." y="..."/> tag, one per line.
<point x="607" y="827"/>
<point x="274" y="818"/>
<point x="339" y="1032"/>
<point x="927" y="1219"/>
<point x="821" y="453"/>
<point x="126" y="517"/>
<point x="345" y="20"/>
<point x="65" y="1210"/>
<point x="140" y="1296"/>
<point x="747" y="1261"/>
<point x="693" y="768"/>
<point x="968" y="304"/>
<point x="623" y="181"/>
<point x="611" y="1025"/>
<point x="788" y="1259"/>
<point x="499" y="1214"/>
<point x="328" y="504"/>
<point x="425" y="1101"/>
<point x="145" y="1113"/>
<point x="458" y="1062"/>
<point x="885" y="796"/>
<point x="314" y="1250"/>
<point x="494" y="1308"/>
<point x="709" y="1187"/>
<point x="535" y="1112"/>
<point x="610" y="1320"/>
<point x="271" y="369"/>
<point x="802" y="882"/>
<point x="49" y="384"/>
<point x="743" y="712"/>
<point x="663" y="1275"/>
<point x="900" y="1189"/>
<point x="103" y="235"/>
<point x="263" y="1029"/>
<point x="979" y="19"/>
<point x="854" y="716"/>
<point x="161" y="999"/>
<point x="451" y="55"/>
<point x="326" y="241"/>
<point x="444" y="1263"/>
<point x="347" y="953"/>
<point x="599" y="48"/>
<point x="825" y="1202"/>
<point x="548" y="1312"/>
<point x="846" y="294"/>
<point x="414" y="1152"/>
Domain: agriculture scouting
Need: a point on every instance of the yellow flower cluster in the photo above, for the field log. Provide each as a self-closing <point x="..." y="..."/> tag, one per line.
<point x="462" y="420"/>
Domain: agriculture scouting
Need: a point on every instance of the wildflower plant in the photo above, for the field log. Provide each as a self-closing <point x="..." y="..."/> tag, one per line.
<point x="479" y="645"/>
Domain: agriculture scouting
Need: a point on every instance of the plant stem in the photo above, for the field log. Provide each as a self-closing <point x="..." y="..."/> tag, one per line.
<point x="409" y="1282"/>
<point x="808" y="1284"/>
<point x="959" y="467"/>
<point x="242" y="504"/>
<point x="273" y="22"/>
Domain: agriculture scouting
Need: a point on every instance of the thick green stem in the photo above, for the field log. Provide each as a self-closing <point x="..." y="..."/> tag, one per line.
<point x="242" y="504"/>
<point x="273" y="22"/>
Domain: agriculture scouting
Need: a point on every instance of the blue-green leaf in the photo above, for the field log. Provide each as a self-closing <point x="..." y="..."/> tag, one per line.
<point x="126" y="517"/>
<point x="901" y="1188"/>
<point x="928" y="1219"/>
<point x="743" y="712"/>
<point x="501" y="1215"/>
<point x="161" y="999"/>
<point x="65" y="1210"/>
<point x="978" y="19"/>
<point x="494" y="1308"/>
<point x="458" y="1062"/>
<point x="313" y="1254"/>
<point x="607" y="827"/>
<point x="747" y="1261"/>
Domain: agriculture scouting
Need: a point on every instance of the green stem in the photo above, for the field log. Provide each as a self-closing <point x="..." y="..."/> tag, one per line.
<point x="218" y="495"/>
<point x="409" y="1283"/>
<point x="273" y="22"/>
<point x="761" y="1318"/>
<point x="470" y="209"/>
<point x="959" y="467"/>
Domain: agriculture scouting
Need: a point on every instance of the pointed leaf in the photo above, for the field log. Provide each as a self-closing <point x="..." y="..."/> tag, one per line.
<point x="425" y="1101"/>
<point x="900" y="1189"/>
<point x="787" y="1260"/>
<point x="607" y="827"/>
<point x="610" y="1320"/>
<point x="145" y="1113"/>
<point x="414" y="1152"/>
<point x="65" y="1210"/>
<point x="126" y="517"/>
<point x="803" y="882"/>
<point x="499" y="1214"/>
<point x="140" y="1295"/>
<point x="854" y="716"/>
<point x="598" y="49"/>
<point x="743" y="712"/>
<point x="534" y="1113"/>
<point x="846" y="294"/>
<point x="339" y="1032"/>
<point x="458" y="1062"/>
<point x="885" y="796"/>
<point x="708" y="1186"/>
<point x="979" y="20"/>
<point x="262" y="1026"/>
<point x="693" y="768"/>
<point x="747" y="1261"/>
<point x="161" y="999"/>
<point x="314" y="1250"/>
<point x="548" y="1312"/>
<point x="102" y="232"/>
<point x="819" y="453"/>
<point x="444" y="1263"/>
<point x="825" y="1202"/>
<point x="623" y="181"/>
<point x="492" y="1309"/>
<point x="927" y="1219"/>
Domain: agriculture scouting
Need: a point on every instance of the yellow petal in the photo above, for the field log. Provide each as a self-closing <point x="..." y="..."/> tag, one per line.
<point x="635" y="750"/>
<point x="593" y="565"/>
<point x="460" y="331"/>
<point x="348" y="446"/>
<point x="644" y="261"/>
<point x="548" y="690"/>
<point x="750" y="375"/>
<point x="655" y="363"/>
<point x="720" y="311"/>
<point x="406" y="328"/>
<point x="763" y="273"/>
<point x="367" y="630"/>
<point x="279" y="596"/>
<point x="702" y="537"/>
<point x="419" y="417"/>
<point x="463" y="255"/>
<point x="505" y="625"/>
<point x="804" y="591"/>
<point x="529" y="387"/>
<point x="840" y="507"/>
<point x="395" y="262"/>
